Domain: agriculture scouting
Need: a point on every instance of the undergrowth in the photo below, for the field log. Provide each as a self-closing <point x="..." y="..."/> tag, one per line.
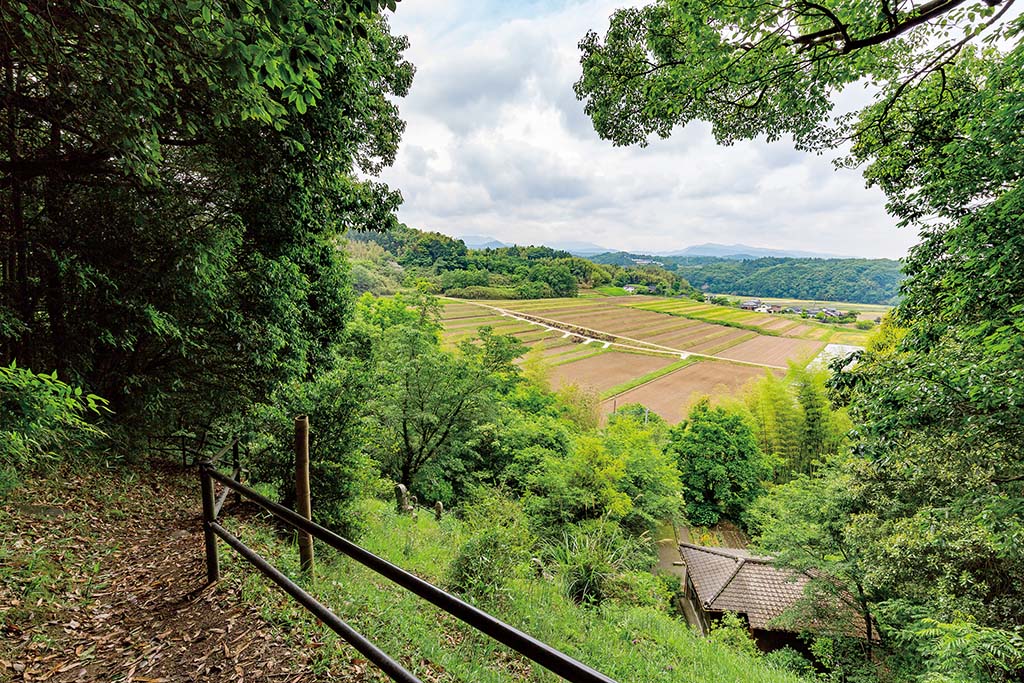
<point x="630" y="643"/>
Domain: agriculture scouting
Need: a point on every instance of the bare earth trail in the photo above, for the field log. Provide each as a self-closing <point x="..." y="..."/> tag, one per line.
<point x="636" y="345"/>
<point x="126" y="597"/>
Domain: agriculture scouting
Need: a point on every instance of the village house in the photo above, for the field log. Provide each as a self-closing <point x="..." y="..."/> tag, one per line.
<point x="751" y="304"/>
<point x="719" y="580"/>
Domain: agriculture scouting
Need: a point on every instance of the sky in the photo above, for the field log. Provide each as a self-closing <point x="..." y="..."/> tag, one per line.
<point x="498" y="145"/>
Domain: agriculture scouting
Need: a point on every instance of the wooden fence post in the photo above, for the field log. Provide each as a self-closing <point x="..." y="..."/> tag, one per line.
<point x="212" y="562"/>
<point x="236" y="470"/>
<point x="302" y="501"/>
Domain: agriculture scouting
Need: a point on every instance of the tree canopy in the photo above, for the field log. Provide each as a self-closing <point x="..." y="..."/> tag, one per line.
<point x="176" y="178"/>
<point x="766" y="68"/>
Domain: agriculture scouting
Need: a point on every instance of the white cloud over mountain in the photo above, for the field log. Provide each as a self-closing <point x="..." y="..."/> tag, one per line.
<point x="498" y="145"/>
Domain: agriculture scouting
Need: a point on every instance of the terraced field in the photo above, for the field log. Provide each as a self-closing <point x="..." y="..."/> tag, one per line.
<point x="659" y="352"/>
<point x="762" y="323"/>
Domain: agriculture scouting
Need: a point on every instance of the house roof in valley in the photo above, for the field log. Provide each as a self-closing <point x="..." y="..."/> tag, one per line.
<point x="733" y="580"/>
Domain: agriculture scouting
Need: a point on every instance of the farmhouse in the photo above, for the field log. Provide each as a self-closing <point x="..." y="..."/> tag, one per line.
<point x="719" y="580"/>
<point x="630" y="289"/>
<point x="751" y="305"/>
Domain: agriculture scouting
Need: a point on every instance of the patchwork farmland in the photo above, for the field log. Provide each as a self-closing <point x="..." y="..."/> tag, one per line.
<point x="659" y="352"/>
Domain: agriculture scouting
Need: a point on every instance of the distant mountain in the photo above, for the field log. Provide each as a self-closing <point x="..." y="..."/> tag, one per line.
<point x="482" y="242"/>
<point x="744" y="252"/>
<point x="578" y="248"/>
<point x="574" y="248"/>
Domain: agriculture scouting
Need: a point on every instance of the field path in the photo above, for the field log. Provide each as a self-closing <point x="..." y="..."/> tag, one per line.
<point x="648" y="347"/>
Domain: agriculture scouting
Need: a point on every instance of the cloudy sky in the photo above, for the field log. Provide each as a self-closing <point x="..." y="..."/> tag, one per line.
<point x="498" y="145"/>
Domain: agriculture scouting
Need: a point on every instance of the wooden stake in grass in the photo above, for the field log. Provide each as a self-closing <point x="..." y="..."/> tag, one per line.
<point x="302" y="501"/>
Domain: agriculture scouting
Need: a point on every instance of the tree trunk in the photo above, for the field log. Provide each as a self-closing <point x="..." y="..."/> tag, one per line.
<point x="56" y="312"/>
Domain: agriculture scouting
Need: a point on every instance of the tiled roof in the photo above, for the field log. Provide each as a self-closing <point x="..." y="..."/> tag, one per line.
<point x="732" y="580"/>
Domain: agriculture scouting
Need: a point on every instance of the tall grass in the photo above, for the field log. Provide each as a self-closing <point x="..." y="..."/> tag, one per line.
<point x="628" y="643"/>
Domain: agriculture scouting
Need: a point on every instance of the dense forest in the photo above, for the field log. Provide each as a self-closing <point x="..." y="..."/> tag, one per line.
<point x="866" y="281"/>
<point x="383" y="263"/>
<point x="180" y="183"/>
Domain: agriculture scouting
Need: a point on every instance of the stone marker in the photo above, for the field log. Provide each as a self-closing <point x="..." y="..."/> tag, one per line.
<point x="402" y="498"/>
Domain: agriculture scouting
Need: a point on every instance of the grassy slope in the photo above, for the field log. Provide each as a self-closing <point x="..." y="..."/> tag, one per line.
<point x="630" y="644"/>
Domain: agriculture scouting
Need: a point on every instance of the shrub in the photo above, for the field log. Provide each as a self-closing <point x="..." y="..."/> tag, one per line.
<point x="788" y="659"/>
<point x="498" y="550"/>
<point x="643" y="589"/>
<point x="43" y="419"/>
<point x="339" y="471"/>
<point x="591" y="556"/>
<point x="486" y="563"/>
<point x="732" y="632"/>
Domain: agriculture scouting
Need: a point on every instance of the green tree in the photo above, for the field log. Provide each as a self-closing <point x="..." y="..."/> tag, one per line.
<point x="430" y="403"/>
<point x="722" y="468"/>
<point x="181" y="255"/>
<point x="764" y="68"/>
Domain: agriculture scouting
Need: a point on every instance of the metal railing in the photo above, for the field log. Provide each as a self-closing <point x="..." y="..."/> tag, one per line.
<point x="557" y="662"/>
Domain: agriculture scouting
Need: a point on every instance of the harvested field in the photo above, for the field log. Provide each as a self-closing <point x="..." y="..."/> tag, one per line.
<point x="671" y="396"/>
<point x="610" y="369"/>
<point x="779" y="324"/>
<point x="723" y="341"/>
<point x="773" y="350"/>
<point x="557" y="349"/>
<point x="450" y="311"/>
<point x="475" y="321"/>
<point x="692" y="334"/>
<point x="567" y="354"/>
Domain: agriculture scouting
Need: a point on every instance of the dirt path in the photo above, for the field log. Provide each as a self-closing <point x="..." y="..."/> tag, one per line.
<point x="103" y="580"/>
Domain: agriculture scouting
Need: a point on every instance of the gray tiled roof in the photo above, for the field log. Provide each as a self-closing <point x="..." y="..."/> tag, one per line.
<point x="732" y="580"/>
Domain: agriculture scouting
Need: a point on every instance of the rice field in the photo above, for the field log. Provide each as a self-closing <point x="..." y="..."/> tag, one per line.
<point x="660" y="352"/>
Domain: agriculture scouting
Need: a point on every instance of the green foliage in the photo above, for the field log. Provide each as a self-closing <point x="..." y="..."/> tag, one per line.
<point x="620" y="474"/>
<point x="722" y="468"/>
<point x="508" y="272"/>
<point x="43" y="421"/>
<point x="761" y="68"/>
<point x="591" y="554"/>
<point x="220" y="187"/>
<point x="629" y="643"/>
<point x="788" y="659"/>
<point x="429" y="408"/>
<point x="962" y="650"/>
<point x="868" y="281"/>
<point x="732" y="632"/>
<point x="340" y="471"/>
<point x="497" y="551"/>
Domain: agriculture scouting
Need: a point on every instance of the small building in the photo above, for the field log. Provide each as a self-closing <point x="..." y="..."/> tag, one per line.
<point x="630" y="289"/>
<point x="762" y="309"/>
<point x="719" y="580"/>
<point x="751" y="304"/>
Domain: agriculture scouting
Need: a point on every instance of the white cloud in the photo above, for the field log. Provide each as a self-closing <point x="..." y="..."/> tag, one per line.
<point x="498" y="145"/>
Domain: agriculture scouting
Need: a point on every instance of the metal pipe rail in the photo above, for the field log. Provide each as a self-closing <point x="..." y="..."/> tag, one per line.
<point x="555" y="661"/>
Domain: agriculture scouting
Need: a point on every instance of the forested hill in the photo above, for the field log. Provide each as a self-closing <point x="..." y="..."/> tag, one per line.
<point x="385" y="262"/>
<point x="867" y="281"/>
